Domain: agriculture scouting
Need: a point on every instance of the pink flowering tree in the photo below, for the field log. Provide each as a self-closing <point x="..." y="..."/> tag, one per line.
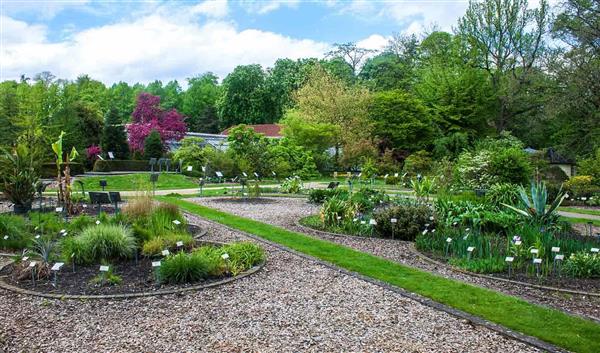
<point x="92" y="152"/>
<point x="148" y="116"/>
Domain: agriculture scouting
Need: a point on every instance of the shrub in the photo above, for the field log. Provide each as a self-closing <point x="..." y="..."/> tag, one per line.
<point x="365" y="199"/>
<point x="292" y="186"/>
<point x="320" y="195"/>
<point x="581" y="186"/>
<point x="19" y="175"/>
<point x="242" y="256"/>
<point x="156" y="245"/>
<point x="185" y="268"/>
<point x="15" y="228"/>
<point x="502" y="193"/>
<point x="511" y="165"/>
<point x="591" y="166"/>
<point x="217" y="267"/>
<point x="418" y="163"/>
<point x="583" y="264"/>
<point x="411" y="220"/>
<point x="103" y="242"/>
<point x="393" y="180"/>
<point x="119" y="165"/>
<point x="336" y="210"/>
<point x="191" y="153"/>
<point x="80" y="222"/>
<point x="153" y="146"/>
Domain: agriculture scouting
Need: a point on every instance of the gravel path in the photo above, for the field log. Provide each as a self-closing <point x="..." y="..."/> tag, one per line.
<point x="286" y="212"/>
<point x="292" y="305"/>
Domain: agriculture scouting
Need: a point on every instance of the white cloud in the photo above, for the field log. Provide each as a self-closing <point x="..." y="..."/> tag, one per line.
<point x="374" y="42"/>
<point x="211" y="8"/>
<point x="151" y="47"/>
<point x="262" y="7"/>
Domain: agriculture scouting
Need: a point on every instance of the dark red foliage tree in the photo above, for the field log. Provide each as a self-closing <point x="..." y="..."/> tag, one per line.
<point x="148" y="116"/>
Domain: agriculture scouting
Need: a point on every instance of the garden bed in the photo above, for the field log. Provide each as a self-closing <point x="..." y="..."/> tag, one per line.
<point x="245" y="200"/>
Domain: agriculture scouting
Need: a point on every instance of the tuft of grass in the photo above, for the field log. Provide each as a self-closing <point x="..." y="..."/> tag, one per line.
<point x="553" y="326"/>
<point x="185" y="268"/>
<point x="100" y="242"/>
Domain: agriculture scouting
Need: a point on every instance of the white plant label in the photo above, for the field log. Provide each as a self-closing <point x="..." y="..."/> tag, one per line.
<point x="244" y="174"/>
<point x="190" y="168"/>
<point x="219" y="174"/>
<point x="385" y="176"/>
<point x="155" y="263"/>
<point x="37" y="236"/>
<point x="204" y="169"/>
<point x="179" y="244"/>
<point x="559" y="257"/>
<point x="470" y="248"/>
<point x="373" y="222"/>
<point x="64" y="234"/>
<point x="537" y="261"/>
<point x="97" y="222"/>
<point x="363" y="222"/>
<point x="534" y="251"/>
<point x="594" y="250"/>
<point x="225" y="256"/>
<point x="394" y="220"/>
<point x="111" y="155"/>
<point x="165" y="253"/>
<point x="32" y="264"/>
<point x="395" y="175"/>
<point x="448" y="240"/>
<point x="6" y="237"/>
<point x="509" y="259"/>
<point x="338" y="218"/>
<point x="555" y="249"/>
<point x="59" y="209"/>
<point x="63" y="230"/>
<point x="424" y="232"/>
<point x="104" y="268"/>
<point x="176" y="222"/>
<point x="273" y="173"/>
<point x="57" y="266"/>
<point x="256" y="175"/>
<point x="518" y="242"/>
<point x="25" y="258"/>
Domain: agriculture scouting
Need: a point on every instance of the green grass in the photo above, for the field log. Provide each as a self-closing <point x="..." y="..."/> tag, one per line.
<point x="595" y="222"/>
<point x="580" y="210"/>
<point x="137" y="181"/>
<point x="569" y="332"/>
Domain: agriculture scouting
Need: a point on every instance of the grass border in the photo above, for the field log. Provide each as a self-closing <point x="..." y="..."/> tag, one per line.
<point x="550" y="325"/>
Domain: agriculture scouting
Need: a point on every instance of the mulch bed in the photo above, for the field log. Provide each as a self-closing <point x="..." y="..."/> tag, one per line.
<point x="564" y="282"/>
<point x="137" y="278"/>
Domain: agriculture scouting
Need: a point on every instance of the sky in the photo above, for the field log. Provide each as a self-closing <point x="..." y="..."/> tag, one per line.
<point x="141" y="41"/>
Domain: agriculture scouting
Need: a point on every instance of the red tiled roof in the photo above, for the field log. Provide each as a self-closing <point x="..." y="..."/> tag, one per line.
<point x="269" y="130"/>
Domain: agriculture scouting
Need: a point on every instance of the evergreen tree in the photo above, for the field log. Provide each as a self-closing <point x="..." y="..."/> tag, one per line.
<point x="114" y="138"/>
<point x="153" y="147"/>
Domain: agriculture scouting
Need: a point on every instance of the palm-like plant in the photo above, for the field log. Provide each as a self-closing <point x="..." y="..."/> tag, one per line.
<point x="19" y="176"/>
<point x="535" y="209"/>
<point x="423" y="188"/>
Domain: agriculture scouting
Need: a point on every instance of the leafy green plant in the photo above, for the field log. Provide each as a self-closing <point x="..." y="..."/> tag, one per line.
<point x="410" y="221"/>
<point x="486" y="265"/>
<point x="583" y="265"/>
<point x="15" y="229"/>
<point x="292" y="185"/>
<point x="335" y="210"/>
<point x="107" y="278"/>
<point x="500" y="193"/>
<point x="423" y="188"/>
<point x="320" y="195"/>
<point x="19" y="176"/>
<point x="242" y="256"/>
<point x="102" y="242"/>
<point x="185" y="268"/>
<point x="254" y="189"/>
<point x="535" y="209"/>
<point x="156" y="245"/>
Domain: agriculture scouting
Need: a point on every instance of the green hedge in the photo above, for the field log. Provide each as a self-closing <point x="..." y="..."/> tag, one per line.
<point x="121" y="166"/>
<point x="49" y="169"/>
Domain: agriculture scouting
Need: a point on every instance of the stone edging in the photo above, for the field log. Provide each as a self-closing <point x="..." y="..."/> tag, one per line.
<point x="537" y="286"/>
<point x="246" y="273"/>
<point x="475" y="320"/>
<point x="452" y="268"/>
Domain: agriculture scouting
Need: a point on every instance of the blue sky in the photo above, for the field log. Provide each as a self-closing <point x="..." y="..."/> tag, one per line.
<point x="139" y="41"/>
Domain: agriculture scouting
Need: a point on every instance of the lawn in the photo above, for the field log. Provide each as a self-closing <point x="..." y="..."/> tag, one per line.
<point x="138" y="181"/>
<point x="570" y="332"/>
<point x="595" y="222"/>
<point x="580" y="210"/>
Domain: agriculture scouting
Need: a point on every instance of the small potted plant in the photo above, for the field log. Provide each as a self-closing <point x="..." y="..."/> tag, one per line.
<point x="19" y="176"/>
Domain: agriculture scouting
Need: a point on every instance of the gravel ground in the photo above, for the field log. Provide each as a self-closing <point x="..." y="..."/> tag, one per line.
<point x="286" y="212"/>
<point x="292" y="305"/>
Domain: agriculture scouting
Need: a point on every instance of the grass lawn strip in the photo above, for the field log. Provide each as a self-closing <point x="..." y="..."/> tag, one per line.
<point x="553" y="326"/>
<point x="580" y="210"/>
<point x="595" y="222"/>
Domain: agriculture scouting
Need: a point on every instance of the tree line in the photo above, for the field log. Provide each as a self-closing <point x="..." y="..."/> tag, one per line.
<point x="504" y="67"/>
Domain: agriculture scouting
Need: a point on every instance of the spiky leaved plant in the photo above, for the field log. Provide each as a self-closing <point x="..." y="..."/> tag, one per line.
<point x="535" y="209"/>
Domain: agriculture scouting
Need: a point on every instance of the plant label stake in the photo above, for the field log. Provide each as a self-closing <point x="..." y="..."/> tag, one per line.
<point x="537" y="263"/>
<point x="534" y="252"/>
<point x="394" y="221"/>
<point x="32" y="267"/>
<point x="55" y="269"/>
<point x="555" y="249"/>
<point x="5" y="237"/>
<point x="594" y="250"/>
<point x="73" y="261"/>
<point x="372" y="223"/>
<point x="165" y="253"/>
<point x="469" y="252"/>
<point x="510" y="260"/>
<point x="557" y="262"/>
<point x="155" y="266"/>
<point x="518" y="242"/>
<point x="104" y="270"/>
<point x="189" y="168"/>
<point x="179" y="245"/>
<point x="448" y="241"/>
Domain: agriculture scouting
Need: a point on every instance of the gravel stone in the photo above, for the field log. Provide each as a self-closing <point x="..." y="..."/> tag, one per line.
<point x="286" y="212"/>
<point x="292" y="305"/>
